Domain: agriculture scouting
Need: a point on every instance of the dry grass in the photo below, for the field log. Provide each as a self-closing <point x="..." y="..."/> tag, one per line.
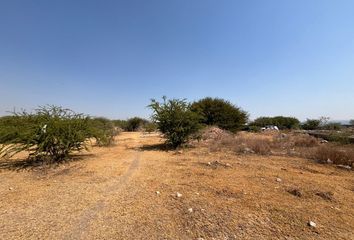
<point x="301" y="145"/>
<point x="112" y="194"/>
<point x="261" y="146"/>
<point x="305" y="141"/>
<point x="241" y="144"/>
<point x="325" y="154"/>
<point x="294" y="140"/>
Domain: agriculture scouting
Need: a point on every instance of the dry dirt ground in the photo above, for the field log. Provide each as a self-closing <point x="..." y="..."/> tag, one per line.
<point x="110" y="193"/>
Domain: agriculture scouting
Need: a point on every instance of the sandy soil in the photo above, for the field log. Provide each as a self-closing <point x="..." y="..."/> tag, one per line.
<point x="110" y="193"/>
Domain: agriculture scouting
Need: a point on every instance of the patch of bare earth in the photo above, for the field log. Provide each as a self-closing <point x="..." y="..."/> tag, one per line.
<point x="129" y="191"/>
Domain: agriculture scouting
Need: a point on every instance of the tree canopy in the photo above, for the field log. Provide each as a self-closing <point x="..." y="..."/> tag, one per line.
<point x="221" y="113"/>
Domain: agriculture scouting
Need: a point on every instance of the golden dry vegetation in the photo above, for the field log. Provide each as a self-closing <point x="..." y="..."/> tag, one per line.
<point x="128" y="191"/>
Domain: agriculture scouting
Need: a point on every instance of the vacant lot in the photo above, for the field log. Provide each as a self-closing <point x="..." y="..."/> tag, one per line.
<point x="129" y="192"/>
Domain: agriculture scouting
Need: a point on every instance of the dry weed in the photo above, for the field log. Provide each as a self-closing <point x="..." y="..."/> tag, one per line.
<point x="333" y="154"/>
<point x="301" y="145"/>
<point x="305" y="141"/>
<point x="288" y="141"/>
<point x="241" y="144"/>
<point x="260" y="146"/>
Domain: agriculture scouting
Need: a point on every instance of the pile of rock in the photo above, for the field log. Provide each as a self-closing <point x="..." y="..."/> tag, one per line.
<point x="212" y="133"/>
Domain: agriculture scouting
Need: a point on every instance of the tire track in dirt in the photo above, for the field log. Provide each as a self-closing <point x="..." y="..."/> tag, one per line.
<point x="116" y="186"/>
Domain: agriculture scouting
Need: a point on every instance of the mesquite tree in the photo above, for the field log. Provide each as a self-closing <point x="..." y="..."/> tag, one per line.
<point x="175" y="120"/>
<point x="51" y="133"/>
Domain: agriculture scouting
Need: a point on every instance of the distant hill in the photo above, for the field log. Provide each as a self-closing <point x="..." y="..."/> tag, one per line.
<point x="343" y="122"/>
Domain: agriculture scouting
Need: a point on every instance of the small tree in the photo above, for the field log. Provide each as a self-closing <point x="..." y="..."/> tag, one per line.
<point x="280" y="121"/>
<point x="133" y="124"/>
<point x="311" y="124"/>
<point x="175" y="120"/>
<point x="51" y="133"/>
<point x="103" y="130"/>
<point x="122" y="124"/>
<point x="351" y="122"/>
<point x="333" y="126"/>
<point x="150" y="127"/>
<point x="219" y="112"/>
<point x="315" y="124"/>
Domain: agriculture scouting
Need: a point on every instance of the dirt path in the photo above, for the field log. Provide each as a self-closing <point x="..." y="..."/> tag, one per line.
<point x="117" y="186"/>
<point x="110" y="193"/>
<point x="63" y="202"/>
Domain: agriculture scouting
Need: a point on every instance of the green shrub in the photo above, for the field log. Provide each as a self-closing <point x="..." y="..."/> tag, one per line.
<point x="342" y="138"/>
<point x="221" y="113"/>
<point x="253" y="129"/>
<point x="311" y="124"/>
<point x="122" y="124"/>
<point x="175" y="120"/>
<point x="280" y="121"/>
<point x="135" y="123"/>
<point x="316" y="124"/>
<point x="130" y="125"/>
<point x="10" y="127"/>
<point x="332" y="126"/>
<point x="150" y="127"/>
<point x="51" y="133"/>
<point x="103" y="131"/>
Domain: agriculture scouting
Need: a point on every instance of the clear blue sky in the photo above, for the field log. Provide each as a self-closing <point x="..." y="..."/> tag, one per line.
<point x="108" y="58"/>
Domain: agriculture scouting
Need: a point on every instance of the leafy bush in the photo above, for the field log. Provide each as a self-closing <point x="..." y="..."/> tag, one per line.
<point x="133" y="124"/>
<point x="103" y="131"/>
<point x="343" y="137"/>
<point x="10" y="127"/>
<point x="122" y="124"/>
<point x="311" y="124"/>
<point x="340" y="137"/>
<point x="51" y="133"/>
<point x="221" y="113"/>
<point x="175" y="120"/>
<point x="150" y="127"/>
<point x="332" y="126"/>
<point x="321" y="124"/>
<point x="251" y="128"/>
<point x="280" y="121"/>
